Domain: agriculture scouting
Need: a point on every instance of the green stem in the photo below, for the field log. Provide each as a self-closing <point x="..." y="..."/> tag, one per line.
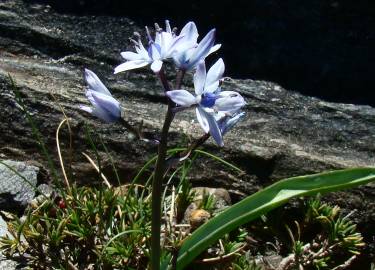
<point x="160" y="169"/>
<point x="157" y="190"/>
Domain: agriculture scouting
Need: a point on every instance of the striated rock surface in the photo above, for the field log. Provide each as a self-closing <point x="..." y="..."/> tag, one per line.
<point x="284" y="134"/>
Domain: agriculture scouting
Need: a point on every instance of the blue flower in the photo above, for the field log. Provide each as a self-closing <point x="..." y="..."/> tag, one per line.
<point x="208" y="93"/>
<point x="104" y="106"/>
<point x="209" y="100"/>
<point x="188" y="57"/>
<point x="163" y="47"/>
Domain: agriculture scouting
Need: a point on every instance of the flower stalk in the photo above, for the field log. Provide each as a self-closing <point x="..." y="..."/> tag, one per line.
<point x="161" y="166"/>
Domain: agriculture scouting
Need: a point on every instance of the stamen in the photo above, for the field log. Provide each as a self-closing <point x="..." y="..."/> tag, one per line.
<point x="168" y="26"/>
<point x="150" y="40"/>
<point x="137" y="35"/>
<point x="136" y="43"/>
<point x="158" y="28"/>
<point x="137" y="39"/>
<point x="208" y="100"/>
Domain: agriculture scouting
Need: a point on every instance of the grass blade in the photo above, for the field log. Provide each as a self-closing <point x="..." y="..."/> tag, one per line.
<point x="214" y="157"/>
<point x="36" y="133"/>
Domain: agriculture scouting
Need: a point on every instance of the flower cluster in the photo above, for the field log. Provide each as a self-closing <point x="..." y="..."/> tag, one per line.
<point x="217" y="111"/>
<point x="182" y="48"/>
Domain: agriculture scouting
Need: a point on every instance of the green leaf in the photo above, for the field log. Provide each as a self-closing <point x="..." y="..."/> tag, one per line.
<point x="265" y="200"/>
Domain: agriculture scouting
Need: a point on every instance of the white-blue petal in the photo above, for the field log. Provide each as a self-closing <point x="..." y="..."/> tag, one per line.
<point x="181" y="58"/>
<point x="213" y="126"/>
<point x="178" y="45"/>
<point x="229" y="122"/>
<point x="158" y="37"/>
<point x="100" y="113"/>
<point x="156" y="66"/>
<point x="90" y="97"/>
<point x="131" y="56"/>
<point x="213" y="87"/>
<point x="131" y="65"/>
<point x="94" y="83"/>
<point x="107" y="103"/>
<point x="202" y="49"/>
<point x="103" y="115"/>
<point x="190" y="32"/>
<point x="214" y="48"/>
<point x="214" y="74"/>
<point x="229" y="101"/>
<point x="85" y="108"/>
<point x="200" y="78"/>
<point x="155" y="51"/>
<point x="165" y="44"/>
<point x="202" y="119"/>
<point x="182" y="97"/>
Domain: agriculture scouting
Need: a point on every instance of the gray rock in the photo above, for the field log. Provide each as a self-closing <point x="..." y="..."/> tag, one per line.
<point x="17" y="189"/>
<point x="8" y="264"/>
<point x="5" y="264"/>
<point x="195" y="215"/>
<point x="3" y="227"/>
<point x="221" y="197"/>
<point x="45" y="190"/>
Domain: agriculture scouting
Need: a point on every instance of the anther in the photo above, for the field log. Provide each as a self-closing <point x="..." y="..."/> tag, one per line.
<point x="136" y="43"/>
<point x="158" y="28"/>
<point x="137" y="34"/>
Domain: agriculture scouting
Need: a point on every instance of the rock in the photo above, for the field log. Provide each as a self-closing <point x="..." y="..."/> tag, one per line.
<point x="3" y="227"/>
<point x="16" y="191"/>
<point x="6" y="264"/>
<point x="198" y="217"/>
<point x="268" y="261"/>
<point x="221" y="197"/>
<point x="195" y="214"/>
<point x="45" y="190"/>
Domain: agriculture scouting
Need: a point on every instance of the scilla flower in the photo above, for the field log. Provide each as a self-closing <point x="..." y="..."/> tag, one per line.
<point x="208" y="93"/>
<point x="165" y="44"/>
<point x="188" y="58"/>
<point x="104" y="106"/>
<point x="209" y="98"/>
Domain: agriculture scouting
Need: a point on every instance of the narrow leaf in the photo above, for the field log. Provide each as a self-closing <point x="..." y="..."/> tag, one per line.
<point x="265" y="200"/>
